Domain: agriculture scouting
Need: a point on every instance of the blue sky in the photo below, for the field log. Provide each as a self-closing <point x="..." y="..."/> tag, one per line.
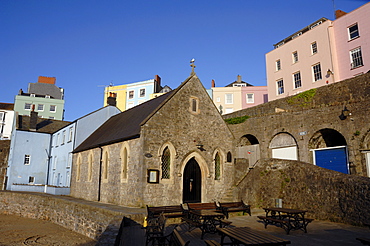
<point x="89" y="44"/>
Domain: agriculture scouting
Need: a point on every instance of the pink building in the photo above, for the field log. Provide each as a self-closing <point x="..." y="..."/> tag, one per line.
<point x="352" y="41"/>
<point x="324" y="52"/>
<point x="237" y="95"/>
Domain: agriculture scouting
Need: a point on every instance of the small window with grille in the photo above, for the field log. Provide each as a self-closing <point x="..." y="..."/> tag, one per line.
<point x="166" y="163"/>
<point x="217" y="167"/>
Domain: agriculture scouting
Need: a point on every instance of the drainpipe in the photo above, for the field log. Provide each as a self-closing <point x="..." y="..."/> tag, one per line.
<point x="100" y="168"/>
<point x="48" y="153"/>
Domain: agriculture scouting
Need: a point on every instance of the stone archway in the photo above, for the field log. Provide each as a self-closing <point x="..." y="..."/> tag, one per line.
<point x="329" y="150"/>
<point x="248" y="148"/>
<point x="284" y="146"/>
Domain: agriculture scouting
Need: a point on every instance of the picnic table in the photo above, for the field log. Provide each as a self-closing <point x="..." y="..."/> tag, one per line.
<point x="206" y="220"/>
<point x="288" y="219"/>
<point x="248" y="236"/>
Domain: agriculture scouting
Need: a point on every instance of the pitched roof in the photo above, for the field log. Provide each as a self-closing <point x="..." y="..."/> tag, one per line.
<point x="7" y="106"/>
<point x="43" y="125"/>
<point x="123" y="126"/>
<point x="45" y="89"/>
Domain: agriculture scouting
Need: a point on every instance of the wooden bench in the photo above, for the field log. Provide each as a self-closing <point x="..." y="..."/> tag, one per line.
<point x="285" y="224"/>
<point x="174" y="211"/>
<point x="204" y="205"/>
<point x="229" y="207"/>
<point x="365" y="241"/>
<point x="212" y="243"/>
<point x="154" y="231"/>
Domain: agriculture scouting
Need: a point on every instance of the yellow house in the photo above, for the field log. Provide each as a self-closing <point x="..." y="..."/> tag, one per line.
<point x="120" y="91"/>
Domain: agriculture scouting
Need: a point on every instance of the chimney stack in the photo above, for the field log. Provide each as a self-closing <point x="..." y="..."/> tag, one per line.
<point x="239" y="78"/>
<point x="33" y="118"/>
<point x="213" y="84"/>
<point x="112" y="99"/>
<point x="47" y="80"/>
<point x="339" y="13"/>
<point x="157" y="86"/>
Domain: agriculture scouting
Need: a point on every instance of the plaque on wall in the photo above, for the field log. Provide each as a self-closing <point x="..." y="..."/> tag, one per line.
<point x="153" y="176"/>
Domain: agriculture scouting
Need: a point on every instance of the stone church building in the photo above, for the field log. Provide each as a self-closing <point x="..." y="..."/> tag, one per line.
<point x="173" y="149"/>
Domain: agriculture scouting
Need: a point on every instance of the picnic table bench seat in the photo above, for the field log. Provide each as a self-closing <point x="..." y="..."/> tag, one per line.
<point x="283" y="223"/>
<point x="229" y="207"/>
<point x="173" y="211"/>
<point x="176" y="239"/>
<point x="212" y="243"/>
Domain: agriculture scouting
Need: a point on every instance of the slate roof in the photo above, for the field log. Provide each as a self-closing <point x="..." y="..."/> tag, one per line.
<point x="123" y="126"/>
<point x="43" y="125"/>
<point x="236" y="82"/>
<point x="7" y="106"/>
<point x="45" y="89"/>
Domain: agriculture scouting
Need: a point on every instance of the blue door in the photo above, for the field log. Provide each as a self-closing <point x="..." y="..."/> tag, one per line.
<point x="333" y="159"/>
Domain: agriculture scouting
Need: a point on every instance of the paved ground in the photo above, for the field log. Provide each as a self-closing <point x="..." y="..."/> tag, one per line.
<point x="15" y="231"/>
<point x="319" y="233"/>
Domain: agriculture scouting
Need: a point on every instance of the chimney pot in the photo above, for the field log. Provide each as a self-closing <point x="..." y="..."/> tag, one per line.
<point x="213" y="84"/>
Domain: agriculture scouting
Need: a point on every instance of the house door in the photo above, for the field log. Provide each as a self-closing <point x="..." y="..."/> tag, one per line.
<point x="192" y="182"/>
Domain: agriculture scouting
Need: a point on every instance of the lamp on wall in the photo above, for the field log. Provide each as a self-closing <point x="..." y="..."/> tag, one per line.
<point x="200" y="147"/>
<point x="345" y="113"/>
<point x="329" y="72"/>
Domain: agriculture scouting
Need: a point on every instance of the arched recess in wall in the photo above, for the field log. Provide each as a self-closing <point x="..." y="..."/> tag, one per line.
<point x="167" y="155"/>
<point x="248" y="148"/>
<point x="284" y="146"/>
<point x="218" y="164"/>
<point x="365" y="150"/>
<point x="125" y="157"/>
<point x="329" y="150"/>
<point x="204" y="171"/>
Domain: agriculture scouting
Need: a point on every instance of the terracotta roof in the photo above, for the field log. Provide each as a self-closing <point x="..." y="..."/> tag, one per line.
<point x="43" y="125"/>
<point x="123" y="126"/>
<point x="7" y="106"/>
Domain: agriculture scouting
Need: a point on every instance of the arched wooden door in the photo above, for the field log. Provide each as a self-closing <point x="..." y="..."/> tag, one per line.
<point x="192" y="182"/>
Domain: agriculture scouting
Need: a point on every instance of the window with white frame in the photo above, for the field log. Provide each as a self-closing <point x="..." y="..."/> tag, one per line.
<point x="69" y="162"/>
<point x="51" y="118"/>
<point x="218" y="99"/>
<point x="57" y="141"/>
<point x="297" y="80"/>
<point x="2" y="118"/>
<point x="280" y="86"/>
<point x="27" y="106"/>
<point x="27" y="159"/>
<point x="356" y="58"/>
<point x="316" y="70"/>
<point x="70" y="135"/>
<point x="130" y="94"/>
<point x="229" y="98"/>
<point x="142" y="92"/>
<point x="278" y="65"/>
<point x="64" y="137"/>
<point x="53" y="108"/>
<point x="55" y="162"/>
<point x="313" y="48"/>
<point x="250" y="97"/>
<point x="353" y="32"/>
<point x="295" y="56"/>
<point x="40" y="107"/>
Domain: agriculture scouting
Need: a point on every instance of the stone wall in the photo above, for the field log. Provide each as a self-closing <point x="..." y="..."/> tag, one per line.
<point x="326" y="194"/>
<point x="303" y="116"/>
<point x="79" y="216"/>
<point x="4" y="153"/>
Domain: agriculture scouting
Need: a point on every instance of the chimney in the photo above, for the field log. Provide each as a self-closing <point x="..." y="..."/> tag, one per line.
<point x="239" y="78"/>
<point x="213" y="84"/>
<point x="339" y="13"/>
<point x="112" y="99"/>
<point x="47" y="80"/>
<point x="33" y="118"/>
<point x="157" y="87"/>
